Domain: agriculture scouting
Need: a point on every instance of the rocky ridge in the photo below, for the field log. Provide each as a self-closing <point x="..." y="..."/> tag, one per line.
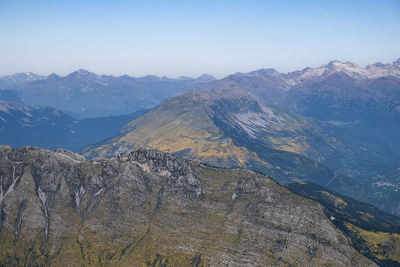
<point x="151" y="209"/>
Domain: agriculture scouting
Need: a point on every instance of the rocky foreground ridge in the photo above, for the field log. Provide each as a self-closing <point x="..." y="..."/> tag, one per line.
<point x="147" y="208"/>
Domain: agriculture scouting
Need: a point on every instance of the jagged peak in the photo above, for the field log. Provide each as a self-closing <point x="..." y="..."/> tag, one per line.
<point x="73" y="156"/>
<point x="158" y="162"/>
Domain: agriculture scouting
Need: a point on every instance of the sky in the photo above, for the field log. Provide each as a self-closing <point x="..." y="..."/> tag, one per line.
<point x="173" y="38"/>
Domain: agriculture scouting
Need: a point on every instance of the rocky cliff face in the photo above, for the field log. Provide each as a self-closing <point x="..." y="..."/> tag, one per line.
<point x="145" y="208"/>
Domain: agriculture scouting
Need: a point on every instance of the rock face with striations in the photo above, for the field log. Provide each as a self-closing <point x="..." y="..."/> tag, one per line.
<point x="146" y="208"/>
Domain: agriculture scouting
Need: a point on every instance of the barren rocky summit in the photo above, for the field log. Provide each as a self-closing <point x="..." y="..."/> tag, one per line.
<point x="147" y="208"/>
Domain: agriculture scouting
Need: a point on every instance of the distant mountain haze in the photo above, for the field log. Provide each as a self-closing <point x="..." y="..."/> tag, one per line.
<point x="85" y="94"/>
<point x="46" y="127"/>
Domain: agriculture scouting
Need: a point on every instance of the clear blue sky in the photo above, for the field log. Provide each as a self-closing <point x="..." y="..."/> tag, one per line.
<point x="176" y="38"/>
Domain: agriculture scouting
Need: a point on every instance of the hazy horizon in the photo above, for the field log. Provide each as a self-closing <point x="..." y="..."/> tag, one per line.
<point x="178" y="76"/>
<point x="178" y="38"/>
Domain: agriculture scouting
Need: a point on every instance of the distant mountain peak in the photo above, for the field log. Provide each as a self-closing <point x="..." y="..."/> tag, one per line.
<point x="53" y="76"/>
<point x="268" y="71"/>
<point x="82" y="73"/>
<point x="337" y="63"/>
<point x="126" y="76"/>
<point x="260" y="73"/>
<point x="378" y="64"/>
<point x="206" y="78"/>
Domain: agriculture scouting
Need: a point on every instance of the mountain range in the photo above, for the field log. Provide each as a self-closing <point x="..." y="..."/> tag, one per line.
<point x="84" y="94"/>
